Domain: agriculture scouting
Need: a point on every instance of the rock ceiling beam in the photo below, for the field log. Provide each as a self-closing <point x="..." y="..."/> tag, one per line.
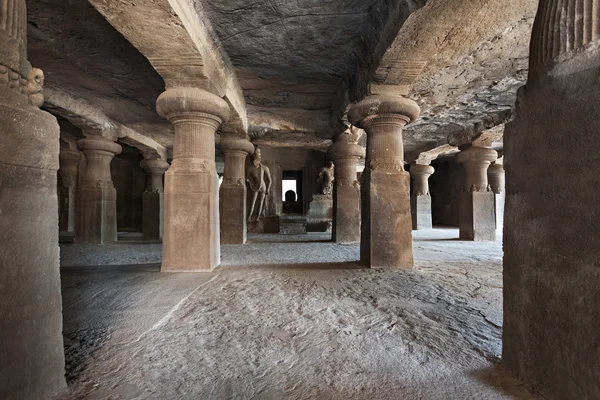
<point x="91" y="121"/>
<point x="178" y="40"/>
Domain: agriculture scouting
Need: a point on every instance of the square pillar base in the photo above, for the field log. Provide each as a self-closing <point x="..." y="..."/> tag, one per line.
<point x="97" y="220"/>
<point x="232" y="211"/>
<point x="152" y="209"/>
<point x="477" y="216"/>
<point x="420" y="209"/>
<point x="346" y="215"/>
<point x="386" y="220"/>
<point x="191" y="225"/>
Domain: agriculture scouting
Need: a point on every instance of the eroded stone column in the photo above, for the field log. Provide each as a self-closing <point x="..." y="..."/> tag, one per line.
<point x="477" y="216"/>
<point x="31" y="343"/>
<point x="345" y="154"/>
<point x="420" y="199"/>
<point x="386" y="231"/>
<point x="232" y="193"/>
<point x="97" y="196"/>
<point x="69" y="169"/>
<point x="191" y="219"/>
<point x="153" y="199"/>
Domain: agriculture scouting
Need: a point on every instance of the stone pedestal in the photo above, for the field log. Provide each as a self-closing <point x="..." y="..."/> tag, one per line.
<point x="420" y="199"/>
<point x="477" y="216"/>
<point x="346" y="153"/>
<point x="97" y="196"/>
<point x="265" y="225"/>
<point x="31" y="342"/>
<point x="292" y="224"/>
<point x="233" y="191"/>
<point x="153" y="199"/>
<point x="320" y="213"/>
<point x="191" y="218"/>
<point x="68" y="171"/>
<point x="386" y="231"/>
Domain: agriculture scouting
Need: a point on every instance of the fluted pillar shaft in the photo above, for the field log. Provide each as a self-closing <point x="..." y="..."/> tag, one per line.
<point x="69" y="171"/>
<point x="477" y="216"/>
<point x="345" y="154"/>
<point x="31" y="342"/>
<point x="97" y="196"/>
<point x="153" y="199"/>
<point x="191" y="215"/>
<point x="233" y="192"/>
<point x="420" y="199"/>
<point x="386" y="231"/>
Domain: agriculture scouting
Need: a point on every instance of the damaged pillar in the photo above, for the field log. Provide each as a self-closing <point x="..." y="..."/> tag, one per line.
<point x="232" y="193"/>
<point x="551" y="232"/>
<point x="153" y="199"/>
<point x="345" y="154"/>
<point x="420" y="199"/>
<point x="97" y="196"/>
<point x="386" y="230"/>
<point x="191" y="219"/>
<point x="32" y="364"/>
<point x="496" y="179"/>
<point x="68" y="171"/>
<point x="477" y="216"/>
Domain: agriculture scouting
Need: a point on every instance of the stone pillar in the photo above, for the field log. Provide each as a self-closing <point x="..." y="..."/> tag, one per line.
<point x="345" y="154"/>
<point x="477" y="216"/>
<point x="69" y="169"/>
<point x="420" y="199"/>
<point x="386" y="230"/>
<point x="232" y="193"/>
<point x="153" y="199"/>
<point x="97" y="196"/>
<point x="551" y="231"/>
<point x="31" y="343"/>
<point x="191" y="220"/>
<point x="496" y="179"/>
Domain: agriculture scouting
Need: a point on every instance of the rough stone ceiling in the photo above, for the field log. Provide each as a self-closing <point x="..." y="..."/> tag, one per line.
<point x="300" y="61"/>
<point x="85" y="58"/>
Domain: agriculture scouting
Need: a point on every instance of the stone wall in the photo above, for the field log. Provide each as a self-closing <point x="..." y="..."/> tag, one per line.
<point x="445" y="186"/>
<point x="552" y="234"/>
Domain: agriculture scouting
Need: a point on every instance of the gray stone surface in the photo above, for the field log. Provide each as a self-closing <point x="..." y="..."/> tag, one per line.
<point x="420" y="211"/>
<point x="478" y="216"/>
<point x="305" y="322"/>
<point x="551" y="230"/>
<point x="292" y="224"/>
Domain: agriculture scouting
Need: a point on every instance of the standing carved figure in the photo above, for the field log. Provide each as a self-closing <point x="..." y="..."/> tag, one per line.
<point x="326" y="177"/>
<point x="258" y="178"/>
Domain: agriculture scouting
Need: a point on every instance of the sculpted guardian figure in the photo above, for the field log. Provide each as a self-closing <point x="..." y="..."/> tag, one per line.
<point x="258" y="178"/>
<point x="326" y="178"/>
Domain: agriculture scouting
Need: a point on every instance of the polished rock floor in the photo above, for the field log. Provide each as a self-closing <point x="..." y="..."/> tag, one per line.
<point x="287" y="317"/>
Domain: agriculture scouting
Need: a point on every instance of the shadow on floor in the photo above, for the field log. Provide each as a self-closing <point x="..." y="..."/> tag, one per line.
<point x="502" y="380"/>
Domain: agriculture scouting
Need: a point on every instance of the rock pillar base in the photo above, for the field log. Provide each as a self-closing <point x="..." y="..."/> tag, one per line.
<point x="97" y="215"/>
<point x="420" y="209"/>
<point x="386" y="225"/>
<point x="477" y="216"/>
<point x="233" y="213"/>
<point x="31" y="343"/>
<point x="346" y="214"/>
<point x="152" y="208"/>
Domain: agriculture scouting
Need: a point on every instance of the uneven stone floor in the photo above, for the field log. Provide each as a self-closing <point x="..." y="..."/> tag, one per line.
<point x="303" y="322"/>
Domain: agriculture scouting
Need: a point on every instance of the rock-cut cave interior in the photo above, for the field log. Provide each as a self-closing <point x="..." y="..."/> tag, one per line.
<point x="300" y="199"/>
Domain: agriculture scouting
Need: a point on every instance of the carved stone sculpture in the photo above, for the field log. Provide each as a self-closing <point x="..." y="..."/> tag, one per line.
<point x="35" y="87"/>
<point x="326" y="177"/>
<point x="258" y="178"/>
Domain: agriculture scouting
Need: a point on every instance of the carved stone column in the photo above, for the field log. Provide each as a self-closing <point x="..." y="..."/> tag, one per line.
<point x="97" y="196"/>
<point x="191" y="220"/>
<point x="420" y="199"/>
<point x="153" y="199"/>
<point x="31" y="343"/>
<point x="345" y="154"/>
<point x="477" y="217"/>
<point x="232" y="194"/>
<point x="496" y="179"/>
<point x="69" y="169"/>
<point x="386" y="234"/>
